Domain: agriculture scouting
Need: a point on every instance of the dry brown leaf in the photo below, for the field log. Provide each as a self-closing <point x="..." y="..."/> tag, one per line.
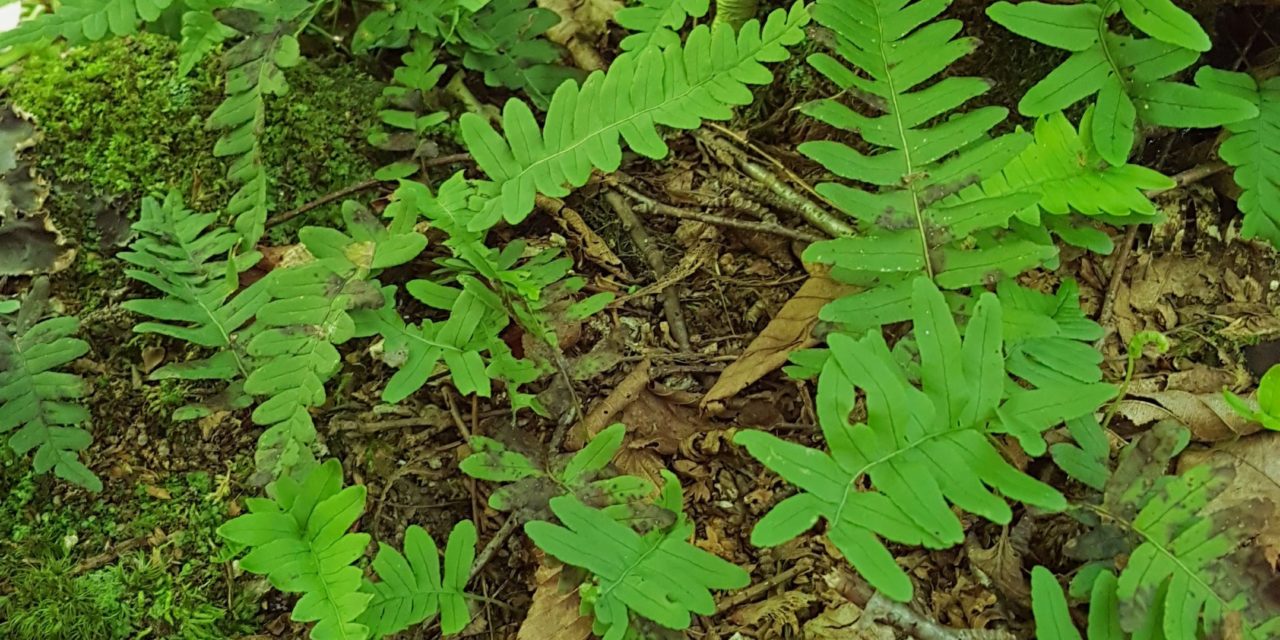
<point x="1257" y="463"/>
<point x="553" y="614"/>
<point x="774" y="615"/>
<point x="1207" y="415"/>
<point x="789" y="331"/>
<point x="846" y="622"/>
<point x="581" y="21"/>
<point x="1002" y="564"/>
<point x="594" y="248"/>
<point x="159" y="493"/>
<point x="605" y="413"/>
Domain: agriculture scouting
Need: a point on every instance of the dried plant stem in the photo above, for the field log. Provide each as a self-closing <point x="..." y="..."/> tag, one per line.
<point x="899" y="615"/>
<point x="491" y="548"/>
<point x="645" y="204"/>
<point x="670" y="295"/>
<point x="812" y="213"/>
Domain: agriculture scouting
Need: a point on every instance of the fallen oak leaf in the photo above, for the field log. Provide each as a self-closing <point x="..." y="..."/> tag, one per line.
<point x="789" y="331"/>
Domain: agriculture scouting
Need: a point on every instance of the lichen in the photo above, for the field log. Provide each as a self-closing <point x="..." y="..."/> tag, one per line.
<point x="120" y="124"/>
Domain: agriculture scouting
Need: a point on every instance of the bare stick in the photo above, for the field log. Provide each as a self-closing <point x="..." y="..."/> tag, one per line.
<point x="899" y="615"/>
<point x="812" y="213"/>
<point x="357" y="188"/>
<point x="495" y="543"/>
<point x="670" y="299"/>
<point x="756" y="590"/>
<point x="645" y="204"/>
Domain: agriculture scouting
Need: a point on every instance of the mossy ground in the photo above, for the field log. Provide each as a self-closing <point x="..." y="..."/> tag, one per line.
<point x="118" y="125"/>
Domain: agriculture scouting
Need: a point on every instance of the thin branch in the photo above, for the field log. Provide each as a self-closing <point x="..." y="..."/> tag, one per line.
<point x="645" y="204"/>
<point x="812" y="213"/>
<point x="357" y="188"/>
<point x="670" y="298"/>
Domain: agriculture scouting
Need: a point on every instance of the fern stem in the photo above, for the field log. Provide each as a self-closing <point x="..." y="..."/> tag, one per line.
<point x="645" y="204"/>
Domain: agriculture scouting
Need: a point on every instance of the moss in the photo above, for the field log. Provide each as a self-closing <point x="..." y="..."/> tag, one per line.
<point x="119" y="124"/>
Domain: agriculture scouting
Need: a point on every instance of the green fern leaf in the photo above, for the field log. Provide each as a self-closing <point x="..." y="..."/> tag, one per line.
<point x="908" y="226"/>
<point x="79" y="21"/>
<point x="300" y="542"/>
<point x="503" y="41"/>
<point x="254" y="71"/>
<point x="1048" y="339"/>
<point x="202" y="32"/>
<point x="1127" y="74"/>
<point x="38" y="400"/>
<point x="924" y="448"/>
<point x="1070" y="176"/>
<point x="409" y="119"/>
<point x="657" y="22"/>
<point x="1049" y="606"/>
<point x="1253" y="149"/>
<point x="177" y="253"/>
<point x="658" y="576"/>
<point x="412" y="589"/>
<point x="674" y="87"/>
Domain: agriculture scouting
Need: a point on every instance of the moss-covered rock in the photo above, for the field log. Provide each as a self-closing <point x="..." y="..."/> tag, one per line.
<point x="119" y="124"/>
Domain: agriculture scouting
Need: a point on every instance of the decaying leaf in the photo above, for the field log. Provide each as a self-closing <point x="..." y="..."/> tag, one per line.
<point x="31" y="245"/>
<point x="554" y="611"/>
<point x="774" y="615"/>
<point x="1256" y="460"/>
<point x="790" y="330"/>
<point x="594" y="248"/>
<point x="1002" y="565"/>
<point x="1207" y="415"/>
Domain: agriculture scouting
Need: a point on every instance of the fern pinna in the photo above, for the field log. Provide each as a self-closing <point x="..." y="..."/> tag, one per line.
<point x="924" y="446"/>
<point x="907" y="224"/>
<point x="37" y="399"/>
<point x="1188" y="564"/>
<point x="1128" y="74"/>
<point x="676" y="87"/>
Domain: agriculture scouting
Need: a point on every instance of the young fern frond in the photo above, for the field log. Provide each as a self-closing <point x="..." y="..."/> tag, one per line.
<point x="657" y="575"/>
<point x="80" y="21"/>
<point x="202" y="32"/>
<point x="300" y="542"/>
<point x="35" y="398"/>
<point x="408" y="116"/>
<point x="178" y="253"/>
<point x="676" y="87"/>
<point x="1253" y="148"/>
<point x="1066" y="170"/>
<point x="925" y="445"/>
<point x="411" y="587"/>
<point x="1127" y="74"/>
<point x="907" y="225"/>
<point x="254" y="71"/>
<point x="657" y="22"/>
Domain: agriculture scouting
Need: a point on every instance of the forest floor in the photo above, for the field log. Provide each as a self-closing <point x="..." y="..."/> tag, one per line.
<point x="141" y="559"/>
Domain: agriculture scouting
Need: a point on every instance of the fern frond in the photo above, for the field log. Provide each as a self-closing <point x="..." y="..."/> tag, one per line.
<point x="908" y="227"/>
<point x="254" y="71"/>
<point x="202" y="32"/>
<point x="1127" y="74"/>
<point x="676" y="87"/>
<point x="411" y="587"/>
<point x="658" y="575"/>
<point x="1048" y="339"/>
<point x="1066" y="170"/>
<point x="37" y="399"/>
<point x="1049" y="606"/>
<point x="409" y="118"/>
<point x="177" y="253"/>
<point x="1253" y="149"/>
<point x="924" y="448"/>
<point x="657" y="22"/>
<point x="503" y="41"/>
<point x="79" y="21"/>
<point x="300" y="542"/>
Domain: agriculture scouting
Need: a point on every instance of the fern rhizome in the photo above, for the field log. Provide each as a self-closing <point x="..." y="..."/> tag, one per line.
<point x="950" y="373"/>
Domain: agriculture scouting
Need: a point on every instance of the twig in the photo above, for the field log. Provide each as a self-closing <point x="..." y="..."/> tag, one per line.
<point x="499" y="538"/>
<point x="670" y="298"/>
<point x="812" y="213"/>
<point x="899" y="615"/>
<point x="1190" y="176"/>
<point x="357" y="188"/>
<point x="321" y="201"/>
<point x="756" y="590"/>
<point x="645" y="204"/>
<point x="106" y="558"/>
<point x="744" y="141"/>
<point x="1117" y="274"/>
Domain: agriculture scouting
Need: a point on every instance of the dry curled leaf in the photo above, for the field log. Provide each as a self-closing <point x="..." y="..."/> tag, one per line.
<point x="774" y="615"/>
<point x="789" y="331"/>
<point x="554" y="612"/>
<point x="1207" y="415"/>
